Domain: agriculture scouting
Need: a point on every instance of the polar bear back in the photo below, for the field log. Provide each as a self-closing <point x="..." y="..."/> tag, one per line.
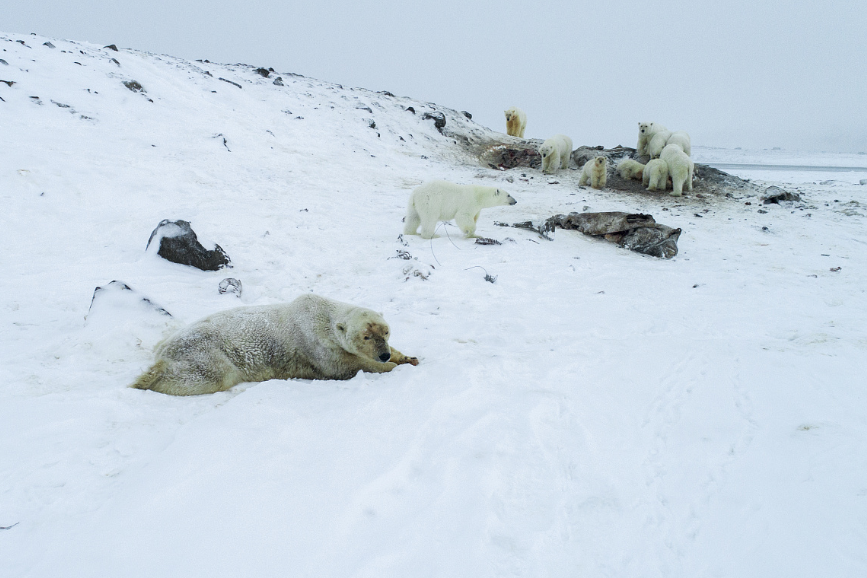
<point x="681" y="138"/>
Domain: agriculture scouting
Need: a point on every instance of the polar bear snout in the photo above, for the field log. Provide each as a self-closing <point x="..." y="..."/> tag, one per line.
<point x="512" y="200"/>
<point x="385" y="357"/>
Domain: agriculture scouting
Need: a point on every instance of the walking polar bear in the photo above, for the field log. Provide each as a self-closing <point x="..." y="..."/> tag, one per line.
<point x="556" y="152"/>
<point x="595" y="171"/>
<point x="436" y="201"/>
<point x="680" y="168"/>
<point x="516" y="122"/>
<point x="310" y="338"/>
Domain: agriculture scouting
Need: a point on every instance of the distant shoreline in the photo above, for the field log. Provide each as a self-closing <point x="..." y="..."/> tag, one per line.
<point x="757" y="167"/>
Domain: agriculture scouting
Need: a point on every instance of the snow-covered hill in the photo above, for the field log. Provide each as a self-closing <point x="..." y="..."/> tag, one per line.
<point x="593" y="412"/>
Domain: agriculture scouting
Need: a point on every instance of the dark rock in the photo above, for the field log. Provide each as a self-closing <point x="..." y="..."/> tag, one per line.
<point x="178" y="243"/>
<point x="115" y="61"/>
<point x="3" y="62"/>
<point x="371" y="123"/>
<point x="230" y="82"/>
<point x="386" y="93"/>
<point x="263" y="71"/>
<point x="48" y="44"/>
<point x="111" y="47"/>
<point x="119" y="292"/>
<point x="438" y="118"/>
<point x="231" y="285"/>
<point x="362" y="107"/>
<point x="777" y="195"/>
<point x="9" y="83"/>
<point x="411" y="109"/>
<point x="278" y="81"/>
<point x="134" y="86"/>
<point x="466" y="114"/>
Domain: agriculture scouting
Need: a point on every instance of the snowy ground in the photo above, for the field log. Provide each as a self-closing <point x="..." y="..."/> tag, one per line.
<point x="594" y="412"/>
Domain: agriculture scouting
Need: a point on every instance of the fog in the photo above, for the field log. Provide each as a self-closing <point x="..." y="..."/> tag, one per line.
<point x="733" y="74"/>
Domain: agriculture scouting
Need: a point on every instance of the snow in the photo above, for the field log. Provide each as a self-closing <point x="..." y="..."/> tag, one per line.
<point x="593" y="412"/>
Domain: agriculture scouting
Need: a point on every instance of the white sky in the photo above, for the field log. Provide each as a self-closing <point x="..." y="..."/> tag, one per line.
<point x="733" y="73"/>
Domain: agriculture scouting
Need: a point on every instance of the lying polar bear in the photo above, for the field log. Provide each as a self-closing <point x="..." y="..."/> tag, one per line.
<point x="310" y="338"/>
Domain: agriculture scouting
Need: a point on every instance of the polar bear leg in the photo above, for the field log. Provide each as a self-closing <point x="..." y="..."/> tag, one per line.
<point x="467" y="223"/>
<point x="689" y="177"/>
<point x="412" y="221"/>
<point x="603" y="179"/>
<point x="676" y="185"/>
<point x="428" y="228"/>
<point x="564" y="159"/>
<point x="399" y="358"/>
<point x="583" y="179"/>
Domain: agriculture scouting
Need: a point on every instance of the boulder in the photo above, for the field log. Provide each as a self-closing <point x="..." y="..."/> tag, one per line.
<point x="178" y="243"/>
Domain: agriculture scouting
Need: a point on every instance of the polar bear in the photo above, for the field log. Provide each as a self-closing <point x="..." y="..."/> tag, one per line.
<point x="680" y="168"/>
<point x="681" y="137"/>
<point x="309" y="338"/>
<point x="516" y="122"/>
<point x="595" y="171"/>
<point x="646" y="130"/>
<point x="436" y="201"/>
<point x="657" y="143"/>
<point x="655" y="176"/>
<point x="556" y="152"/>
<point x="630" y="169"/>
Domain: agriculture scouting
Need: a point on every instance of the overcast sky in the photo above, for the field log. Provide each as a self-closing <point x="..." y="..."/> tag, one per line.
<point x="752" y="73"/>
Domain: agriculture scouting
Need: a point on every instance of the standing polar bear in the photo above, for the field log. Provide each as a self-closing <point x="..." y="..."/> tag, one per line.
<point x="595" y="171"/>
<point x="646" y="130"/>
<point x="556" y="152"/>
<point x="516" y="122"/>
<point x="680" y="168"/>
<point x="657" y="143"/>
<point x="681" y="138"/>
<point x="309" y="338"/>
<point x="655" y="175"/>
<point x="436" y="201"/>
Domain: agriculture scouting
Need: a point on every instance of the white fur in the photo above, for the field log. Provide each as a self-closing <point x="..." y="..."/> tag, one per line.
<point x="681" y="137"/>
<point x="595" y="171"/>
<point x="556" y="152"/>
<point x="657" y="143"/>
<point x="646" y="130"/>
<point x="680" y="168"/>
<point x="516" y="122"/>
<point x="310" y="338"/>
<point x="655" y="175"/>
<point x="436" y="201"/>
<point x="630" y="169"/>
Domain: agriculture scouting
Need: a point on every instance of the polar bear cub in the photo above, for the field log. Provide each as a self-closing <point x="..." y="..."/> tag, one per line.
<point x="310" y="338"/>
<point x="436" y="201"/>
<point x="516" y="122"/>
<point x="680" y="168"/>
<point x="681" y="137"/>
<point x="655" y="176"/>
<point x="630" y="169"/>
<point x="556" y="152"/>
<point x="595" y="171"/>
<point x="646" y="130"/>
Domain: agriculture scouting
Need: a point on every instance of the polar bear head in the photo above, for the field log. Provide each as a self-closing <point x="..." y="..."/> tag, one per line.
<point x="645" y="128"/>
<point x="546" y="150"/>
<point x="511" y="112"/>
<point x="364" y="333"/>
<point x="501" y="197"/>
<point x="601" y="162"/>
